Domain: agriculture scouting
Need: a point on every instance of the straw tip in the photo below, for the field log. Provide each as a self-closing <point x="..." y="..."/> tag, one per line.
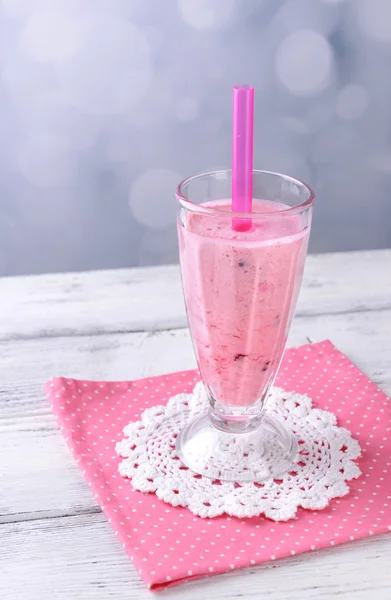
<point x="243" y="88"/>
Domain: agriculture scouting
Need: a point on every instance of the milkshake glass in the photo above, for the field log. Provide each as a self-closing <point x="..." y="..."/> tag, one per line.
<point x="240" y="289"/>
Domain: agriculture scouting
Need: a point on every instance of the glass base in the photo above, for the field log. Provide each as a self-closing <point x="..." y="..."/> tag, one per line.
<point x="265" y="453"/>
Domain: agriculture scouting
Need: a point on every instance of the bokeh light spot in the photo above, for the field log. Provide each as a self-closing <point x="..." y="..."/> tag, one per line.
<point x="51" y="36"/>
<point x="112" y="70"/>
<point x="352" y="102"/>
<point x="304" y="63"/>
<point x="47" y="160"/>
<point x="374" y="18"/>
<point x="207" y="14"/>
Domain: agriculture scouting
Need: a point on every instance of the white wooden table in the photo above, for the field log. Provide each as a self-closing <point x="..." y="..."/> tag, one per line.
<point x="54" y="540"/>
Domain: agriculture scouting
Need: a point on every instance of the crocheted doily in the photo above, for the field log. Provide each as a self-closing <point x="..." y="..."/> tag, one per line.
<point x="323" y="466"/>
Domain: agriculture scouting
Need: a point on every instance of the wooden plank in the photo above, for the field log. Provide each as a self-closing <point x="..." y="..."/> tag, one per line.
<point x="53" y="542"/>
<point x="75" y="558"/>
<point x="36" y="453"/>
<point x="151" y="299"/>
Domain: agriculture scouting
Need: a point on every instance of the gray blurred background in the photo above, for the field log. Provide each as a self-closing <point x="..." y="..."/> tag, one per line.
<point x="107" y="104"/>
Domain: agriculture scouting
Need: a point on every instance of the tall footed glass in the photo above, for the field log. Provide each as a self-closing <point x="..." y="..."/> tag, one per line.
<point x="241" y="286"/>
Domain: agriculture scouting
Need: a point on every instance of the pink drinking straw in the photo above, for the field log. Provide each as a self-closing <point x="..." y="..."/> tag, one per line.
<point x="242" y="154"/>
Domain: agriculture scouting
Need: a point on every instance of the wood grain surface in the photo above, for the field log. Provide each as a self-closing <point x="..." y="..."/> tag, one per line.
<point x="54" y="541"/>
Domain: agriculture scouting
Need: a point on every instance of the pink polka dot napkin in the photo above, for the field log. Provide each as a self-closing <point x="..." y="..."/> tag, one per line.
<point x="169" y="545"/>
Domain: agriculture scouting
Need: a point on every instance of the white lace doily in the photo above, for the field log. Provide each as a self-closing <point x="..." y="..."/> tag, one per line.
<point x="323" y="466"/>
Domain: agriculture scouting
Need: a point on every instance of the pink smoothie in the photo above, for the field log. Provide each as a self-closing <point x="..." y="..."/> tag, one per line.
<point x="240" y="290"/>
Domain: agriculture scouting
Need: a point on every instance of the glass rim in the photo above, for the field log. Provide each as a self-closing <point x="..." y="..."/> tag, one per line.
<point x="194" y="207"/>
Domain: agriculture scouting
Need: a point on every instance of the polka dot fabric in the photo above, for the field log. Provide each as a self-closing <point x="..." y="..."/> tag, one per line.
<point x="169" y="544"/>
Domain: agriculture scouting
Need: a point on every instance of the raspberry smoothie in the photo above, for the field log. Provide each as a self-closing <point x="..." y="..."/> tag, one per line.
<point x="240" y="290"/>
